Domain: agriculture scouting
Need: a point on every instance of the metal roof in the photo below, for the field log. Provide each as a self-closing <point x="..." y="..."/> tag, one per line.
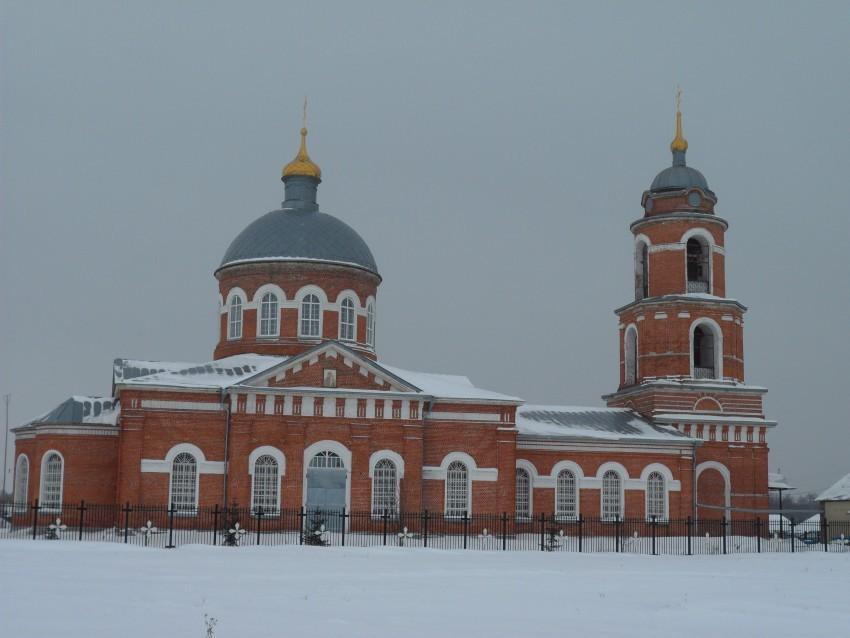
<point x="678" y="177"/>
<point x="300" y="235"/>
<point x="81" y="409"/>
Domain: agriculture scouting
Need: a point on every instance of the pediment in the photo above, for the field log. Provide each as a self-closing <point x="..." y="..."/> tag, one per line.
<point x="331" y="362"/>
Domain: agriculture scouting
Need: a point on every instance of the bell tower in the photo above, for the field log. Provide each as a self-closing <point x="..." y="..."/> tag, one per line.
<point x="682" y="340"/>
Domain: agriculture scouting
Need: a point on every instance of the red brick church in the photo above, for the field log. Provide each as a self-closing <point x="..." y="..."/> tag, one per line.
<point x="297" y="409"/>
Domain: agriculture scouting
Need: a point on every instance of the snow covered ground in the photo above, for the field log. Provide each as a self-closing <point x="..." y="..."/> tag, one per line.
<point x="99" y="590"/>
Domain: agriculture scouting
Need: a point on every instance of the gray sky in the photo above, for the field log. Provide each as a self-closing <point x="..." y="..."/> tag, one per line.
<point x="492" y="155"/>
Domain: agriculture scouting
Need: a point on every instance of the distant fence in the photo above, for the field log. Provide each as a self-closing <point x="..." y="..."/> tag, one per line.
<point x="168" y="527"/>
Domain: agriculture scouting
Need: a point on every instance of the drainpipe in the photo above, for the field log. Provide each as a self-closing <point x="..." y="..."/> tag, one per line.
<point x="225" y="400"/>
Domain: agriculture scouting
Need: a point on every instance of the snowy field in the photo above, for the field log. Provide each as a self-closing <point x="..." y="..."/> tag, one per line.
<point x="100" y="590"/>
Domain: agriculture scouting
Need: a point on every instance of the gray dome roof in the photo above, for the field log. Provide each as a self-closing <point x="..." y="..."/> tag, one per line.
<point x="678" y="177"/>
<point x="300" y="235"/>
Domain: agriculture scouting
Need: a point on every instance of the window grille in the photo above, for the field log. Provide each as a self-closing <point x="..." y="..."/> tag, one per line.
<point x="656" y="497"/>
<point x="457" y="490"/>
<point x="612" y="505"/>
<point x="269" y="315"/>
<point x="51" y="482"/>
<point x="566" y="495"/>
<point x="184" y="483"/>
<point x="22" y="476"/>
<point x="385" y="488"/>
<point x="235" y="318"/>
<point x="310" y="310"/>
<point x="523" y="493"/>
<point x="327" y="459"/>
<point x="370" y="325"/>
<point x="266" y="485"/>
<point x="346" y="320"/>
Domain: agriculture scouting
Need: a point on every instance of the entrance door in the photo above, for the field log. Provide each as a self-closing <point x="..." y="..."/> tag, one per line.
<point x="326" y="487"/>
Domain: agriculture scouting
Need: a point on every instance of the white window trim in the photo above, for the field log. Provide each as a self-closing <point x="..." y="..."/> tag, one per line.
<point x="398" y="462"/>
<point x="278" y="303"/>
<point x="706" y="236"/>
<point x="718" y="344"/>
<point x="322" y="306"/>
<point x="642" y="239"/>
<point x="577" y="480"/>
<point x="26" y="487"/>
<point x="534" y="480"/>
<point x="353" y="337"/>
<point x="236" y="290"/>
<point x="280" y="459"/>
<point x="629" y="328"/>
<point x="622" y="497"/>
<point x="370" y="318"/>
<point x="341" y="451"/>
<point x="260" y="292"/>
<point x="231" y="336"/>
<point x="187" y="448"/>
<point x="665" y="515"/>
<point x="727" y="480"/>
<point x="468" y="491"/>
<point x="42" y="475"/>
<point x="348" y="293"/>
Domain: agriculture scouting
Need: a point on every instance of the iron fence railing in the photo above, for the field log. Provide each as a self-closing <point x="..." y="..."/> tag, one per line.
<point x="168" y="527"/>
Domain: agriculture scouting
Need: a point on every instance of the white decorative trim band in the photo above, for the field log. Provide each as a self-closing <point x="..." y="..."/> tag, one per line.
<point x="156" y="404"/>
<point x="164" y="466"/>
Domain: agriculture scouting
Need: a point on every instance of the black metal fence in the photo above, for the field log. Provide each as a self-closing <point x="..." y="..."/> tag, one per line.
<point x="168" y="527"/>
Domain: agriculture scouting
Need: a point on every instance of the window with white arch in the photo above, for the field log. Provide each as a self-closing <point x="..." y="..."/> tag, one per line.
<point x="385" y="494"/>
<point x="698" y="262"/>
<point x="566" y="495"/>
<point x="51" y="482"/>
<point x="309" y="324"/>
<point x="656" y="496"/>
<point x="370" y="324"/>
<point x="612" y="496"/>
<point x="184" y="483"/>
<point x="457" y="490"/>
<point x="705" y="352"/>
<point x="347" y="320"/>
<point x="327" y="459"/>
<point x="269" y="315"/>
<point x="523" y="493"/>
<point x="22" y="477"/>
<point x="641" y="271"/>
<point x="630" y="352"/>
<point x="265" y="486"/>
<point x="234" y="323"/>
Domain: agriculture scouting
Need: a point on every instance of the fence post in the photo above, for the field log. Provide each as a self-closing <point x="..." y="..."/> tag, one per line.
<point x="384" y="535"/>
<point x="580" y="531"/>
<point x="792" y="535"/>
<point x="170" y="528"/>
<point x="823" y="530"/>
<point x="35" y="509"/>
<point x="82" y="510"/>
<point x="259" y="522"/>
<point x="690" y="533"/>
<point x="465" y="527"/>
<point x="617" y="531"/>
<point x="504" y="531"/>
<point x="654" y="524"/>
<point x="723" y="531"/>
<point x="215" y="525"/>
<point x="425" y="529"/>
<point x="301" y="526"/>
<point x="343" y="525"/>
<point x="126" y="509"/>
<point x="758" y="535"/>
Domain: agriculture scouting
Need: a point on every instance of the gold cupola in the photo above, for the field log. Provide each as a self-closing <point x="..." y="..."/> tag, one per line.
<point x="302" y="165"/>
<point x="679" y="143"/>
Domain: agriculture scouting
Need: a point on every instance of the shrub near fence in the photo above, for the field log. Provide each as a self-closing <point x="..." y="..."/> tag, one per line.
<point x="167" y="527"/>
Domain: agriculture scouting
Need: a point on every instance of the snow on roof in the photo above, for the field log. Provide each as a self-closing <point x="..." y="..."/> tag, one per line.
<point x="776" y="481"/>
<point x="447" y="386"/>
<point x="217" y="374"/>
<point x="839" y="491"/>
<point x="695" y="417"/>
<point x="614" y="424"/>
<point x="81" y="409"/>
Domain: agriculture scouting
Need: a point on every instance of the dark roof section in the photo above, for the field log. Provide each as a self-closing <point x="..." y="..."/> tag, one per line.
<point x="300" y="235"/>
<point x="674" y="178"/>
<point x="78" y="410"/>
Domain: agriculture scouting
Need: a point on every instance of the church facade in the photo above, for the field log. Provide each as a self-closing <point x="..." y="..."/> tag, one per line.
<point x="296" y="409"/>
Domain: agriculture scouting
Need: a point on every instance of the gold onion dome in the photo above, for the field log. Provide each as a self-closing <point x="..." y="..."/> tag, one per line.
<point x="679" y="143"/>
<point x="302" y="165"/>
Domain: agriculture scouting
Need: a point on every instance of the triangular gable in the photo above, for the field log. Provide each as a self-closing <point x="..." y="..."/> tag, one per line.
<point x="353" y="370"/>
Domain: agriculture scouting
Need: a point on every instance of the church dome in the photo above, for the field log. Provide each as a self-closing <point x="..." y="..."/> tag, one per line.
<point x="300" y="234"/>
<point x="679" y="176"/>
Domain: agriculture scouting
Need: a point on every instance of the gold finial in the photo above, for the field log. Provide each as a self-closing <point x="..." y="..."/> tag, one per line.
<point x="679" y="142"/>
<point x="302" y="164"/>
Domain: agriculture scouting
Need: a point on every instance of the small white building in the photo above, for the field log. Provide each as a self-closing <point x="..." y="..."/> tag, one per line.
<point x="836" y="501"/>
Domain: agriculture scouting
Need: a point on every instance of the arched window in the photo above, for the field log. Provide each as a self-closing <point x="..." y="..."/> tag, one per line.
<point x="385" y="489"/>
<point x="51" y="482"/>
<point x="457" y="489"/>
<point x="327" y="459"/>
<point x="656" y="497"/>
<point x="346" y="320"/>
<point x="566" y="495"/>
<point x="704" y="353"/>
<point x="184" y="483"/>
<point x="22" y="477"/>
<point x="234" y="330"/>
<point x="641" y="271"/>
<point x="612" y="497"/>
<point x="698" y="264"/>
<point x="269" y="315"/>
<point x="370" y="324"/>
<point x="265" y="490"/>
<point x="310" y="309"/>
<point x="523" y="493"/>
<point x="630" y="348"/>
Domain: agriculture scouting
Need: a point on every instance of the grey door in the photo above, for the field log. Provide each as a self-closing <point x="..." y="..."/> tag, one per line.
<point x="326" y="495"/>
